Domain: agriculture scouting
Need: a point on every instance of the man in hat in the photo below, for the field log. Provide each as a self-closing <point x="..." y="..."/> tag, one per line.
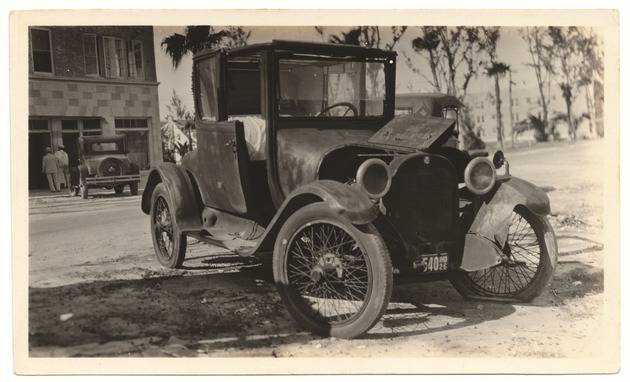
<point x="62" y="162"/>
<point x="51" y="169"/>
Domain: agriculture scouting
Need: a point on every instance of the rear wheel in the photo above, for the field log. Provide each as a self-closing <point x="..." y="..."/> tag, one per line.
<point x="133" y="187"/>
<point x="334" y="278"/>
<point x="169" y="243"/>
<point x="531" y="256"/>
<point x="119" y="188"/>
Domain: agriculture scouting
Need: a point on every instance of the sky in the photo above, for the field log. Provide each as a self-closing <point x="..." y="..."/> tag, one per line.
<point x="511" y="49"/>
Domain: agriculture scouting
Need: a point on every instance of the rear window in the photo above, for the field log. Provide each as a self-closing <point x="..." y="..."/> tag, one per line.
<point x="104" y="147"/>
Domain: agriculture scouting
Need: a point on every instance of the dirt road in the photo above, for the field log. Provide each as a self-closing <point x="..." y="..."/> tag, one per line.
<point x="97" y="290"/>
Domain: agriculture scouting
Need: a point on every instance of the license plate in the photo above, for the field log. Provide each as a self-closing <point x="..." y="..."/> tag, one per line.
<point x="432" y="263"/>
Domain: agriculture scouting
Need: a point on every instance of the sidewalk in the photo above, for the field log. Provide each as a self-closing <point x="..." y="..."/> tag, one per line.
<point x="45" y="192"/>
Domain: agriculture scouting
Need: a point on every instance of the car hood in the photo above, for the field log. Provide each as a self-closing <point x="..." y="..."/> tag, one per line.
<point x="414" y="131"/>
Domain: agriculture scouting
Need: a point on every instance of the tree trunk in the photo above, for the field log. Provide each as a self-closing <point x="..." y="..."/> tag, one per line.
<point x="589" y="108"/>
<point x="497" y="92"/>
<point x="570" y="119"/>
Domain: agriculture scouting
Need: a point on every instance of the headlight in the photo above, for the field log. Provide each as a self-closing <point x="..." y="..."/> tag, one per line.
<point x="480" y="175"/>
<point x="373" y="177"/>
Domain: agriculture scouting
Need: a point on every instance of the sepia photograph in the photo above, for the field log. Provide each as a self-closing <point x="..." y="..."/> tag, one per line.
<point x="261" y="192"/>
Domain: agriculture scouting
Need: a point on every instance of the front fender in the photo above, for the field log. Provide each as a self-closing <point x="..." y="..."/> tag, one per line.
<point x="492" y="219"/>
<point x="181" y="191"/>
<point x="345" y="200"/>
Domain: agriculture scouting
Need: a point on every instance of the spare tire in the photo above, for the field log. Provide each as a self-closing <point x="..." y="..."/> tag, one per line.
<point x="111" y="167"/>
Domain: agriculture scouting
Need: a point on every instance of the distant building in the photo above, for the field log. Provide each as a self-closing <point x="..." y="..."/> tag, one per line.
<point x="92" y="80"/>
<point x="525" y="102"/>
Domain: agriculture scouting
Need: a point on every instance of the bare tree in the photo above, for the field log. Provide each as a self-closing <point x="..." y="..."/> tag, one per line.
<point x="453" y="55"/>
<point x="571" y="47"/>
<point x="541" y="61"/>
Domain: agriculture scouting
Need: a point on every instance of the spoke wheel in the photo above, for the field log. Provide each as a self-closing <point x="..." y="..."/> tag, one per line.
<point x="334" y="278"/>
<point x="530" y="257"/>
<point x="168" y="242"/>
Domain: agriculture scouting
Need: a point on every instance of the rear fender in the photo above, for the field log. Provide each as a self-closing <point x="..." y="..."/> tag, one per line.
<point x="345" y="200"/>
<point x="492" y="219"/>
<point x="180" y="188"/>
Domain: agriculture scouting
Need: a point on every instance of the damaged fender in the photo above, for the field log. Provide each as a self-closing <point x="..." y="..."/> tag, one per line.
<point x="488" y="232"/>
<point x="347" y="201"/>
<point x="181" y="191"/>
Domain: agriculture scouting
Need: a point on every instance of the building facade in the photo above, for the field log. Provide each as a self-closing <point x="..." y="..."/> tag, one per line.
<point x="92" y="80"/>
<point x="525" y="102"/>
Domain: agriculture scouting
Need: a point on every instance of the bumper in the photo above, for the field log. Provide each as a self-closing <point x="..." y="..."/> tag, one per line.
<point x="112" y="180"/>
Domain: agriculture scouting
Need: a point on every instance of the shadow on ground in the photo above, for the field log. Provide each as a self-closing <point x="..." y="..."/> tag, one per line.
<point x="180" y="313"/>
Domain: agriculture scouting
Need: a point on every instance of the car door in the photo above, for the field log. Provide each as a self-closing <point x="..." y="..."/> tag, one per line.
<point x="223" y="163"/>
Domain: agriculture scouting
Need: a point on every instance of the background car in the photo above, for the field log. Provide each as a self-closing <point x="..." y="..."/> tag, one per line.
<point x="103" y="163"/>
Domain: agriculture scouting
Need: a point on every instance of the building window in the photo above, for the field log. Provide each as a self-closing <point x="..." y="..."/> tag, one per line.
<point x="41" y="51"/>
<point x="36" y="125"/>
<point x="137" y="132"/>
<point x="136" y="68"/>
<point x="91" y="127"/>
<point x="115" y="55"/>
<point x="131" y="123"/>
<point x="90" y="55"/>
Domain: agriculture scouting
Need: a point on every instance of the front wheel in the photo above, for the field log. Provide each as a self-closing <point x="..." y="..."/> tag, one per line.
<point x="169" y="243"/>
<point x="334" y="278"/>
<point x="531" y="256"/>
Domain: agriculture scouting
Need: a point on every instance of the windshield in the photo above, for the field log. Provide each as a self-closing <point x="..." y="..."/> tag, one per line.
<point x="331" y="88"/>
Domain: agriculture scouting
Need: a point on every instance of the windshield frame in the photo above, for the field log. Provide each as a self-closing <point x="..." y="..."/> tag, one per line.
<point x="389" y="66"/>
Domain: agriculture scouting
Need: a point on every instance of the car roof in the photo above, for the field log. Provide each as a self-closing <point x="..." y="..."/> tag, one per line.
<point x="308" y="47"/>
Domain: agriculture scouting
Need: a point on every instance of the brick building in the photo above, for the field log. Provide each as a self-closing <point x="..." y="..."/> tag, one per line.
<point x="92" y="80"/>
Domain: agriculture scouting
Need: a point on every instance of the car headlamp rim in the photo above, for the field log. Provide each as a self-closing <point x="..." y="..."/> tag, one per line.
<point x="366" y="169"/>
<point x="470" y="173"/>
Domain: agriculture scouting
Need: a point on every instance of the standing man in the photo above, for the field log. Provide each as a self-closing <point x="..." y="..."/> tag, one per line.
<point x="50" y="168"/>
<point x="62" y="162"/>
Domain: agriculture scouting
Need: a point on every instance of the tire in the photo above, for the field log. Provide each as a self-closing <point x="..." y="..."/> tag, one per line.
<point x="532" y="256"/>
<point x="169" y="243"/>
<point x="119" y="189"/>
<point x="111" y="167"/>
<point x="133" y="187"/>
<point x="319" y="254"/>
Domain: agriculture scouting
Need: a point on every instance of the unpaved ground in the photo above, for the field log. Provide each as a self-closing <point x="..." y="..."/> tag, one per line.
<point x="96" y="289"/>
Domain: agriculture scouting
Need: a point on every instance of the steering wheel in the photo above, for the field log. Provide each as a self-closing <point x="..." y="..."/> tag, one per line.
<point x="349" y="107"/>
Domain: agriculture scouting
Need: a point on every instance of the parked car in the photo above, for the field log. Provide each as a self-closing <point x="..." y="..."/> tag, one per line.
<point x="302" y="162"/>
<point x="104" y="163"/>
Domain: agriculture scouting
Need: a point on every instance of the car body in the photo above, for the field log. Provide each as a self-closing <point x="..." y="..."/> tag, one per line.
<point x="302" y="161"/>
<point x="104" y="163"/>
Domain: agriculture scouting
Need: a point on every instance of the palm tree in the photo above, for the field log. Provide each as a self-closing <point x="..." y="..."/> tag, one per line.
<point x="199" y="37"/>
<point x="498" y="70"/>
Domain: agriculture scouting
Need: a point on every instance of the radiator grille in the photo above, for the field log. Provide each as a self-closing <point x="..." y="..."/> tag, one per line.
<point x="422" y="202"/>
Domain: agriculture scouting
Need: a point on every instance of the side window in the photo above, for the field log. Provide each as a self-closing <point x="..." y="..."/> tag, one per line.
<point x="207" y="86"/>
<point x="135" y="59"/>
<point x="115" y="55"/>
<point x="90" y="54"/>
<point x="41" y="51"/>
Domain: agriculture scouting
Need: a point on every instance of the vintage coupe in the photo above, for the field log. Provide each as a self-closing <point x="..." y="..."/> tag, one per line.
<point x="301" y="161"/>
<point x="104" y="163"/>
